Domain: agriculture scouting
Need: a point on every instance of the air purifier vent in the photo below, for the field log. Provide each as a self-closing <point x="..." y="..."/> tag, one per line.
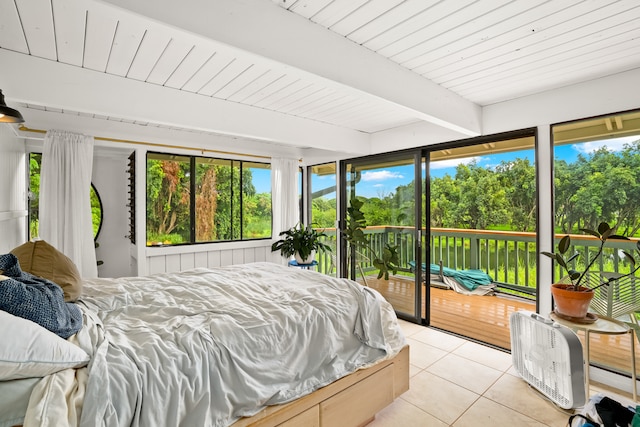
<point x="549" y="357"/>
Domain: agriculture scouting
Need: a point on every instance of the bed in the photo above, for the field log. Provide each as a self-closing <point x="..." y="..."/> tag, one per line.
<point x="257" y="344"/>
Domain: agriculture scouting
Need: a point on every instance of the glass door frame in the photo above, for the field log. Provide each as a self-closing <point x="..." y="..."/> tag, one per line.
<point x="416" y="154"/>
<point x="484" y="139"/>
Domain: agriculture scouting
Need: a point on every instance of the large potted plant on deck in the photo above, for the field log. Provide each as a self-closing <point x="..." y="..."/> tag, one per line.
<point x="573" y="297"/>
<point x="301" y="242"/>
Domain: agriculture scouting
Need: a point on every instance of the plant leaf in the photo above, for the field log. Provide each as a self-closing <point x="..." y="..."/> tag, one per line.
<point x="618" y="237"/>
<point x="549" y="254"/>
<point x="591" y="232"/>
<point x="564" y="244"/>
<point x="603" y="227"/>
<point x="572" y="257"/>
<point x="630" y="257"/>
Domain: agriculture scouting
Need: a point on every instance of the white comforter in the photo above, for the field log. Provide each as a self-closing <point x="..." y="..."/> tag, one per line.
<point x="205" y="347"/>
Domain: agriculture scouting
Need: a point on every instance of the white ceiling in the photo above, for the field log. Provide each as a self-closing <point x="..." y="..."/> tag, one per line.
<point x="345" y="67"/>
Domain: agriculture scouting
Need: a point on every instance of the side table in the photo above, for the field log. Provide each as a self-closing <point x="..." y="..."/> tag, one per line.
<point x="294" y="263"/>
<point x="604" y="326"/>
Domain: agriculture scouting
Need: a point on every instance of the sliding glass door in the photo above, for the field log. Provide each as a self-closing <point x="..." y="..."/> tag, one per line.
<point x="381" y="218"/>
<point x="482" y="236"/>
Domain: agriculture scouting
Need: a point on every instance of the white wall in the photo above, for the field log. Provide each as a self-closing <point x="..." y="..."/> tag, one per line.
<point x="120" y="257"/>
<point x="13" y="191"/>
<point x="111" y="181"/>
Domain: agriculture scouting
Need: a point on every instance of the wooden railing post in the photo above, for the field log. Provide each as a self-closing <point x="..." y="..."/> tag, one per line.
<point x="474" y="253"/>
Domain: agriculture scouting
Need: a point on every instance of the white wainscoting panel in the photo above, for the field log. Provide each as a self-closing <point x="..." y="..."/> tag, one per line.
<point x="213" y="259"/>
<point x="187" y="261"/>
<point x="179" y="258"/>
<point x="201" y="259"/>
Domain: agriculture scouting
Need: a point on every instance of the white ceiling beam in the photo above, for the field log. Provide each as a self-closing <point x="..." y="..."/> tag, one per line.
<point x="52" y="84"/>
<point x="264" y="29"/>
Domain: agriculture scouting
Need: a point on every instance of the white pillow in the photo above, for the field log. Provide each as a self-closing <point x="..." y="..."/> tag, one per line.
<point x="28" y="350"/>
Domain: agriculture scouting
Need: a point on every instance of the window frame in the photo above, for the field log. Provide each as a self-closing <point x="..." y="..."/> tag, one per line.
<point x="236" y="212"/>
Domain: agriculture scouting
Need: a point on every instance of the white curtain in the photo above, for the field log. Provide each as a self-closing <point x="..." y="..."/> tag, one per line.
<point x="284" y="195"/>
<point x="65" y="206"/>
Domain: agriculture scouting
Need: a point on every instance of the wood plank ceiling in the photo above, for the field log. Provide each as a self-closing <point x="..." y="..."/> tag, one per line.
<point x="487" y="51"/>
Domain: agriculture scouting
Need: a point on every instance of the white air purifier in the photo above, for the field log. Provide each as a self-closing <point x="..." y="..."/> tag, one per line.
<point x="549" y="357"/>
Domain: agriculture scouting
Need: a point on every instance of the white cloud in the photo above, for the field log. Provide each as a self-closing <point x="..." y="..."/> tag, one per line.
<point x="378" y="185"/>
<point x="616" y="144"/>
<point x="380" y="175"/>
<point x="452" y="163"/>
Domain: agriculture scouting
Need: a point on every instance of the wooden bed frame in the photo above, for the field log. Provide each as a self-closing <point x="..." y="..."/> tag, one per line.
<point x="349" y="402"/>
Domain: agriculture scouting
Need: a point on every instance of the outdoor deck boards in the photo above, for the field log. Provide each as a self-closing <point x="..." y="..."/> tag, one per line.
<point x="486" y="318"/>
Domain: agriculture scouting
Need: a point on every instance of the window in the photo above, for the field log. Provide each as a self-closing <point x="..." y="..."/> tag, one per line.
<point x="596" y="170"/>
<point x="597" y="178"/>
<point x="168" y="199"/>
<point x="322" y="202"/>
<point x="201" y="199"/>
<point x="35" y="161"/>
<point x="256" y="200"/>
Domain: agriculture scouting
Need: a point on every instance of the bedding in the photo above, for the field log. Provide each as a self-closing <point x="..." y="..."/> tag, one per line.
<point x="207" y="347"/>
<point x="37" y="299"/>
<point x="41" y="259"/>
<point x="14" y="398"/>
<point x="29" y="351"/>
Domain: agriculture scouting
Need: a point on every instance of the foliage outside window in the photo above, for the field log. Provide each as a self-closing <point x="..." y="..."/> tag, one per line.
<point x="596" y="176"/>
<point x="478" y="197"/>
<point x="323" y="211"/>
<point x="323" y="195"/>
<point x="199" y="199"/>
<point x="35" y="162"/>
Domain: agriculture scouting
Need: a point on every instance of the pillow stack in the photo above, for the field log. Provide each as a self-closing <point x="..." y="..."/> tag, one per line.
<point x="28" y="350"/>
<point x="43" y="260"/>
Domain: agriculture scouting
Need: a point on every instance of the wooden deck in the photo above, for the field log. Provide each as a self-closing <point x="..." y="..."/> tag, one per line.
<point x="486" y="318"/>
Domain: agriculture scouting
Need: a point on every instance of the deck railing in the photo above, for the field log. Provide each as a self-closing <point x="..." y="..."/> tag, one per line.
<point x="508" y="257"/>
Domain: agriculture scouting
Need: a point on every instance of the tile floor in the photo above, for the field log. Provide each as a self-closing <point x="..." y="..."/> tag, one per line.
<point x="460" y="383"/>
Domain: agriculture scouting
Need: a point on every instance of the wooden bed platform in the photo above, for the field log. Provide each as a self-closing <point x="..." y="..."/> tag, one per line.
<point x="351" y="401"/>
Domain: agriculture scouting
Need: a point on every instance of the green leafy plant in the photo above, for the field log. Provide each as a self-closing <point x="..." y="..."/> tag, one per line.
<point x="301" y="240"/>
<point x="604" y="233"/>
<point x="358" y="241"/>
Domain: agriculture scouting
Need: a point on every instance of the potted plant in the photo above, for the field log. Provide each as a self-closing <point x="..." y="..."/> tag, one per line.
<point x="353" y="233"/>
<point x="572" y="299"/>
<point x="301" y="242"/>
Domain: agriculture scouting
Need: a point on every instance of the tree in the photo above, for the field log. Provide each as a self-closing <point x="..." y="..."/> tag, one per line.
<point x="603" y="185"/>
<point x="168" y="198"/>
<point x="482" y="199"/>
<point x="518" y="179"/>
<point x="323" y="212"/>
<point x="445" y="195"/>
<point x="206" y="203"/>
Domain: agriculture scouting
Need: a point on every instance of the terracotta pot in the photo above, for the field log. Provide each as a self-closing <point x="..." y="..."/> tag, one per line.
<point x="571" y="303"/>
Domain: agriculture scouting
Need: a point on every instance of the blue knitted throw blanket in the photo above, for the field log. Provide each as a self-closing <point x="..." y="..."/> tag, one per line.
<point x="36" y="299"/>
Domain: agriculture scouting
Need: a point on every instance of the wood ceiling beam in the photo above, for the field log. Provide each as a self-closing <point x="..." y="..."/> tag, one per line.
<point x="52" y="84"/>
<point x="271" y="33"/>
